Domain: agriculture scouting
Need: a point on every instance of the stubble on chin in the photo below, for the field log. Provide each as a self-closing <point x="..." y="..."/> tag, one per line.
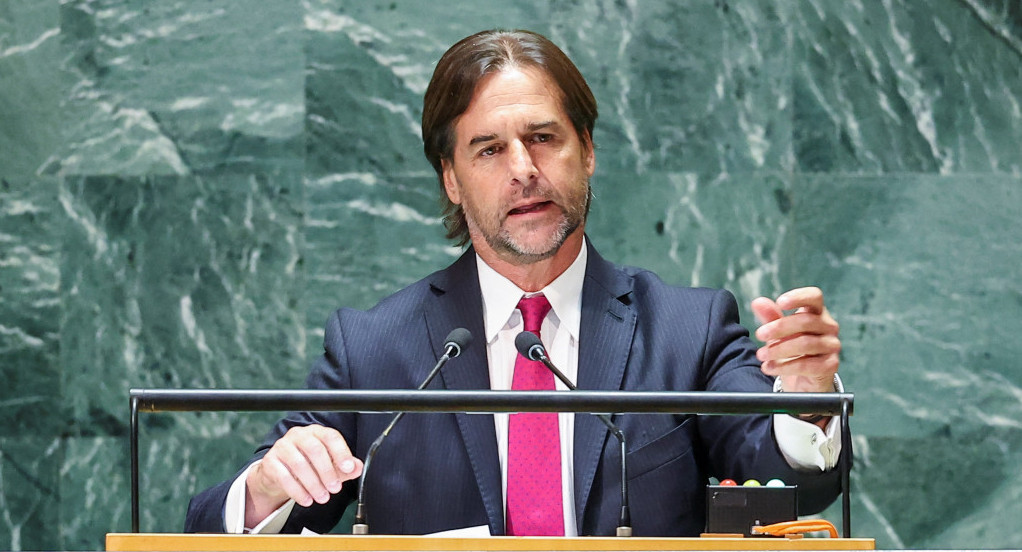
<point x="523" y="253"/>
<point x="518" y="251"/>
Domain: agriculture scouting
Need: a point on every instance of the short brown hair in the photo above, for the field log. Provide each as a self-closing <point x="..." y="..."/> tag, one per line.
<point x="454" y="82"/>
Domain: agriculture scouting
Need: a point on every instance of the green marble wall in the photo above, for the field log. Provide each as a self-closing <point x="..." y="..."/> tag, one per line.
<point x="188" y="188"/>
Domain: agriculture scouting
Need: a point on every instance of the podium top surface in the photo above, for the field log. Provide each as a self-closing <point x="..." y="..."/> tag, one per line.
<point x="159" y="542"/>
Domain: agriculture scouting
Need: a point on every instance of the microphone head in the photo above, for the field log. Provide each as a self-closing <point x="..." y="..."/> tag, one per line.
<point x="529" y="346"/>
<point x="459" y="339"/>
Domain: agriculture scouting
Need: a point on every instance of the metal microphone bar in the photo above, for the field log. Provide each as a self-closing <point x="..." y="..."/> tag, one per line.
<point x="485" y="401"/>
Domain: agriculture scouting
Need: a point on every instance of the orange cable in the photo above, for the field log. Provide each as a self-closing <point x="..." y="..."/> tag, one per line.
<point x="796" y="527"/>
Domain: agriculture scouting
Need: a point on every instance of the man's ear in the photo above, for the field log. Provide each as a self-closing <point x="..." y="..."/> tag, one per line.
<point x="450" y="181"/>
<point x="589" y="154"/>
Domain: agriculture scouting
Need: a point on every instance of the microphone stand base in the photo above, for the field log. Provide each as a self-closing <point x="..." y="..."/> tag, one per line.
<point x="361" y="529"/>
<point x="624" y="531"/>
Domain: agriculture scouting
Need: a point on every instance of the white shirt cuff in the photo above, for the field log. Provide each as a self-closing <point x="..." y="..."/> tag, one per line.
<point x="234" y="510"/>
<point x="804" y="445"/>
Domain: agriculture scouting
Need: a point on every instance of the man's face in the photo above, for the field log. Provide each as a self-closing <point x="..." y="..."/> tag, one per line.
<point x="518" y="168"/>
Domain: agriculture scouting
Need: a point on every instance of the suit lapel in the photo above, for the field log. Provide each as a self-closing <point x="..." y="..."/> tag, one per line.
<point x="607" y="326"/>
<point x="457" y="302"/>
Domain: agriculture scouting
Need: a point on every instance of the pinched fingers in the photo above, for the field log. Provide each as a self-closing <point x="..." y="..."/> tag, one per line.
<point x="796" y="324"/>
<point x="803" y="347"/>
<point x="820" y="368"/>
<point x="799" y="346"/>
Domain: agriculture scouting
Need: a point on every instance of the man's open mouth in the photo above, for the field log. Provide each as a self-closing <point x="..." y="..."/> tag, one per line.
<point x="530" y="208"/>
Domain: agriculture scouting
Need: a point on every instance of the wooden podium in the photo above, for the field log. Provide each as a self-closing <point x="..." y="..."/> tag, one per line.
<point x="166" y="542"/>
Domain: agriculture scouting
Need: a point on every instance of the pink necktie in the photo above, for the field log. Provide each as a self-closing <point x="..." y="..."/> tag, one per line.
<point x="534" y="503"/>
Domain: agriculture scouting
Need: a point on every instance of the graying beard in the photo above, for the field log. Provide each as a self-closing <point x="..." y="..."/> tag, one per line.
<point x="501" y="242"/>
<point x="505" y="244"/>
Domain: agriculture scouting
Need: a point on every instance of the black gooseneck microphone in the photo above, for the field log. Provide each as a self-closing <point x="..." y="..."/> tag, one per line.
<point x="530" y="347"/>
<point x="457" y="341"/>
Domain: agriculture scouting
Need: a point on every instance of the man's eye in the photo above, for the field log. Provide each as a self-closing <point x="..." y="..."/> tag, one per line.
<point x="541" y="138"/>
<point x="492" y="150"/>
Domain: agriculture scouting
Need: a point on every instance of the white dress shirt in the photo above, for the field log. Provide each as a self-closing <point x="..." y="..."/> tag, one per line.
<point x="804" y="445"/>
<point x="502" y="322"/>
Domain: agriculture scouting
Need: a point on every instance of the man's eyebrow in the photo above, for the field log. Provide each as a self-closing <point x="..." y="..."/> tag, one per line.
<point x="542" y="125"/>
<point x="532" y="127"/>
<point x="481" y="139"/>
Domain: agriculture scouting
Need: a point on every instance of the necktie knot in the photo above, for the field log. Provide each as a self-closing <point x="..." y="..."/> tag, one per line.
<point x="534" y="310"/>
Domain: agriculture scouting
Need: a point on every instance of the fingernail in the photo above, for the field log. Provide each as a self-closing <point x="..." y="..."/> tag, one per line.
<point x="347" y="466"/>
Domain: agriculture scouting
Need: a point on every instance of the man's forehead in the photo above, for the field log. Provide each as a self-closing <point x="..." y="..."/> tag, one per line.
<point x="528" y="94"/>
<point x="532" y="75"/>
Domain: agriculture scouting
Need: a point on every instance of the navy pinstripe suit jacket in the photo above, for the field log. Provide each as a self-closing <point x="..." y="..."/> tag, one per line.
<point x="440" y="471"/>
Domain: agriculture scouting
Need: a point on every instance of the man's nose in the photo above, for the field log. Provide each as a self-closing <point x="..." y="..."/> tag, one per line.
<point x="520" y="164"/>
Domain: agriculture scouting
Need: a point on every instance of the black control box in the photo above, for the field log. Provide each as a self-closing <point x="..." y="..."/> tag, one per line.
<point x="733" y="509"/>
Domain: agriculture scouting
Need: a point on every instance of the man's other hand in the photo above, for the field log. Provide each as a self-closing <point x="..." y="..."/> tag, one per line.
<point x="801" y="347"/>
<point x="308" y="464"/>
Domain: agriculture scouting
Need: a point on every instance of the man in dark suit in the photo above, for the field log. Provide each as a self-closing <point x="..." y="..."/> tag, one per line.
<point x="507" y="124"/>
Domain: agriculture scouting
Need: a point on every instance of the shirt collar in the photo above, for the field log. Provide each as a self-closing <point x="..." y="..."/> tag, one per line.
<point x="501" y="296"/>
